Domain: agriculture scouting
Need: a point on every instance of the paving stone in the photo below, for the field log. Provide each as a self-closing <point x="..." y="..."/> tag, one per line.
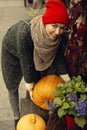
<point x="27" y="107"/>
<point x="7" y="125"/>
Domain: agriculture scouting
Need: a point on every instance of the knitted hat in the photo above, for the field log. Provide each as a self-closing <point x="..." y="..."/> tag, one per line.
<point x="56" y="12"/>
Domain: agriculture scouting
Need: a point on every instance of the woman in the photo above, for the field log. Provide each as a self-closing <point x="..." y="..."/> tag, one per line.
<point x="33" y="49"/>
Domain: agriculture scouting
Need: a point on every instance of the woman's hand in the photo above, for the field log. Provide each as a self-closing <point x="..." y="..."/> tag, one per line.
<point x="31" y="95"/>
<point x="29" y="87"/>
<point x="65" y="77"/>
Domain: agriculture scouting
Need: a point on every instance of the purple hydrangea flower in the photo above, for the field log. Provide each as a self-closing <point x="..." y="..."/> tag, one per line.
<point x="51" y="106"/>
<point x="81" y="107"/>
<point x="72" y="97"/>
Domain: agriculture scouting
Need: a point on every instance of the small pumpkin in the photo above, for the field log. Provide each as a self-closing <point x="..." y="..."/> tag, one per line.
<point x="44" y="89"/>
<point x="31" y="122"/>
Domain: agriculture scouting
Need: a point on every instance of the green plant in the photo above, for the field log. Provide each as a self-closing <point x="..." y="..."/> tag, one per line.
<point x="71" y="99"/>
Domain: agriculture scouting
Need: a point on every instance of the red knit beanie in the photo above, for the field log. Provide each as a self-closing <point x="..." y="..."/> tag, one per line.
<point x="56" y="12"/>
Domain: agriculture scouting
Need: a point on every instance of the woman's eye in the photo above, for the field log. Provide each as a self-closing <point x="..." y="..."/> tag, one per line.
<point x="64" y="28"/>
<point x="54" y="25"/>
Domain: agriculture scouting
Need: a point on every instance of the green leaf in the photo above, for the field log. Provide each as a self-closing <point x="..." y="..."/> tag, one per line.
<point x="61" y="112"/>
<point x="80" y="121"/>
<point x="78" y="78"/>
<point x="63" y="99"/>
<point x="59" y="86"/>
<point x="32" y="12"/>
<point x="86" y="89"/>
<point x="78" y="84"/>
<point x="83" y="96"/>
<point x="65" y="105"/>
<point x="72" y="104"/>
<point x="58" y="101"/>
<point x="68" y="84"/>
<point x="69" y="90"/>
<point x="78" y="89"/>
<point x="71" y="112"/>
<point x="57" y="94"/>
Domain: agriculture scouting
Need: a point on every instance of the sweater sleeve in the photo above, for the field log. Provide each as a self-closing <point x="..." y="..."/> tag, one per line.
<point x="25" y="53"/>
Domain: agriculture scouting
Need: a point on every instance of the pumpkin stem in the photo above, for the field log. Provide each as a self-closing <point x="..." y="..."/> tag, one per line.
<point x="33" y="119"/>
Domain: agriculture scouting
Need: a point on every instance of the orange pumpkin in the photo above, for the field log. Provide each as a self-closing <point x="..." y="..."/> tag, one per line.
<point x="31" y="122"/>
<point x="44" y="89"/>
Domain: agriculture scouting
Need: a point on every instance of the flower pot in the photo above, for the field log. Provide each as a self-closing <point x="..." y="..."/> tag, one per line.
<point x="70" y="123"/>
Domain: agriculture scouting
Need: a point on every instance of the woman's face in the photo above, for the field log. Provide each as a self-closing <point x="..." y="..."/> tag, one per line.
<point x="54" y="30"/>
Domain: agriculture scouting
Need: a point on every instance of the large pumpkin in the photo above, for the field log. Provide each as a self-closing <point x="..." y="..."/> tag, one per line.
<point x="44" y="89"/>
<point x="31" y="122"/>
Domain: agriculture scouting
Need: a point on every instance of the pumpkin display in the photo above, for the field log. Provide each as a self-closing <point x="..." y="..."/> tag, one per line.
<point x="31" y="122"/>
<point x="44" y="89"/>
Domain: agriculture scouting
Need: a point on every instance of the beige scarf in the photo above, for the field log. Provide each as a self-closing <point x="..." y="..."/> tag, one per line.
<point x="44" y="48"/>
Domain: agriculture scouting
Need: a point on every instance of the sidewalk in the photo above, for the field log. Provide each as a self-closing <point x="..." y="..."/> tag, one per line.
<point x="11" y="11"/>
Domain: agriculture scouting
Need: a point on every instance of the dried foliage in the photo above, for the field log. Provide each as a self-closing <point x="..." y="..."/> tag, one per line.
<point x="76" y="52"/>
